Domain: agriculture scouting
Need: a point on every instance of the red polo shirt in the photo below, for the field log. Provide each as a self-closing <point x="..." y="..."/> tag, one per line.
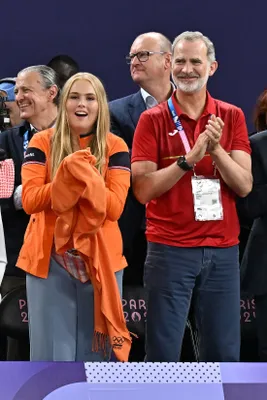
<point x="170" y="218"/>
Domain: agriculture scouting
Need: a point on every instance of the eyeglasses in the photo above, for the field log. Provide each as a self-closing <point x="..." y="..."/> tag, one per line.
<point x="142" y="56"/>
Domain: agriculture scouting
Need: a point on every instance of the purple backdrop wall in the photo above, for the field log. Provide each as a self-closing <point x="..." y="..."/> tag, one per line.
<point x="98" y="35"/>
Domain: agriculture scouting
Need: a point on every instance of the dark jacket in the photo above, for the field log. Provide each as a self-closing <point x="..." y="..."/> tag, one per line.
<point x="14" y="222"/>
<point x="254" y="206"/>
<point x="125" y="113"/>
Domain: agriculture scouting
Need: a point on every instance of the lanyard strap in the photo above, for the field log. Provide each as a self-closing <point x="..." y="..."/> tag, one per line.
<point x="25" y="141"/>
<point x="179" y="126"/>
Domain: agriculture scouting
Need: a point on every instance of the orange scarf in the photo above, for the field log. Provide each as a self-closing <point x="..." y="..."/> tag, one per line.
<point x="78" y="196"/>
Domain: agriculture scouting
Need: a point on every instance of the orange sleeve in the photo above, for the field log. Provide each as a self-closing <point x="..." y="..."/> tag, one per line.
<point x="77" y="182"/>
<point x="35" y="191"/>
<point x="117" y="178"/>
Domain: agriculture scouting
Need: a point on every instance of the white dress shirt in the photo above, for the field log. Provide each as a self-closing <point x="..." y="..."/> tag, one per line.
<point x="149" y="100"/>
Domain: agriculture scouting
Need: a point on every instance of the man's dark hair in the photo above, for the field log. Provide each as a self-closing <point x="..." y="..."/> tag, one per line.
<point x="65" y="67"/>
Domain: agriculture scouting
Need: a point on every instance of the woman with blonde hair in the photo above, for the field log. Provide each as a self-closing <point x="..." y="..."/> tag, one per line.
<point x="75" y="180"/>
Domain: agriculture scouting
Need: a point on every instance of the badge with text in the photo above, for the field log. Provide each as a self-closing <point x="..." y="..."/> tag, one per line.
<point x="207" y="199"/>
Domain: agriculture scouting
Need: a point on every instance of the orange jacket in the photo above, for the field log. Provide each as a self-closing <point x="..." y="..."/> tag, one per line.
<point x="79" y="225"/>
<point x="35" y="254"/>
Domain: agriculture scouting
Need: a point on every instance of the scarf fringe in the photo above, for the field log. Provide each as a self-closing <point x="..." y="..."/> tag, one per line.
<point x="101" y="343"/>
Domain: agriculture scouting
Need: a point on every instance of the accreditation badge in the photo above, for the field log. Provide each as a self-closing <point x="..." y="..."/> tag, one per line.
<point x="207" y="198"/>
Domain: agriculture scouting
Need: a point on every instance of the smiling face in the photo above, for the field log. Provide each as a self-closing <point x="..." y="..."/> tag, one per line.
<point x="31" y="96"/>
<point x="191" y="67"/>
<point x="82" y="107"/>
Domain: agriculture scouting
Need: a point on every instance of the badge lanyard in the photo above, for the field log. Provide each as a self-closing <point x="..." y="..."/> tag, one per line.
<point x="25" y="141"/>
<point x="179" y="126"/>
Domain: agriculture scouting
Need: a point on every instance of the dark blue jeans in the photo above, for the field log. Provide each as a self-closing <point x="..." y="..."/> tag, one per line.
<point x="171" y="276"/>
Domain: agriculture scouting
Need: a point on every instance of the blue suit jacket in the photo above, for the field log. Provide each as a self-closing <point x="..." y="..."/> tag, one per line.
<point x="125" y="113"/>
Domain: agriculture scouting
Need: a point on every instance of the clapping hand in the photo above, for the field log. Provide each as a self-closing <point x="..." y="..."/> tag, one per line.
<point x="213" y="131"/>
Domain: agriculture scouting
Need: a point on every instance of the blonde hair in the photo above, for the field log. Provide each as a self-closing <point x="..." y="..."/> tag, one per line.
<point x="63" y="143"/>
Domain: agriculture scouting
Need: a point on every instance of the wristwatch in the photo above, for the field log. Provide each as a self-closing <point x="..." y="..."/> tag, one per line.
<point x="182" y="163"/>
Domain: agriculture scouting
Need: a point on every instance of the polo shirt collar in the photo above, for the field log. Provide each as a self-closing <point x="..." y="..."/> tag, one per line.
<point x="210" y="107"/>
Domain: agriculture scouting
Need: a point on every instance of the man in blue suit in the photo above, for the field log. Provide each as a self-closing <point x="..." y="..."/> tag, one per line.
<point x="150" y="66"/>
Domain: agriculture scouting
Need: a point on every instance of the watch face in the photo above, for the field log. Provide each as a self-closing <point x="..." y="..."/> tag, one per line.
<point x="181" y="162"/>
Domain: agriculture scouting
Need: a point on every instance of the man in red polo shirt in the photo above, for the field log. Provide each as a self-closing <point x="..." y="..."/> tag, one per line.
<point x="190" y="158"/>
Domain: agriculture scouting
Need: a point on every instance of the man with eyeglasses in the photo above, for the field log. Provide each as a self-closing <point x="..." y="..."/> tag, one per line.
<point x="150" y="65"/>
<point x="190" y="159"/>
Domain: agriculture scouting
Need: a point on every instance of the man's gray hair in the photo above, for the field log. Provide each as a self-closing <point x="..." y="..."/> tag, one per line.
<point x="48" y="77"/>
<point x="191" y="37"/>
